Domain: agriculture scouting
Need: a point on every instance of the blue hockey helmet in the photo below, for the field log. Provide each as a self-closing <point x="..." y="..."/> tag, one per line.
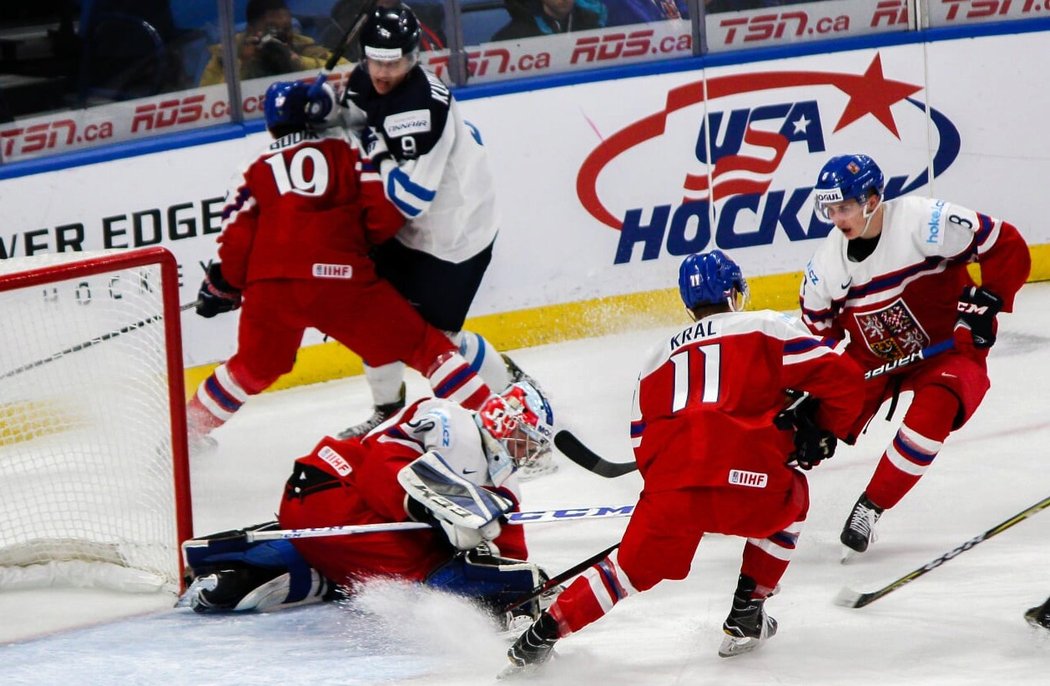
<point x="846" y="177"/>
<point x="296" y="105"/>
<point x="712" y="278"/>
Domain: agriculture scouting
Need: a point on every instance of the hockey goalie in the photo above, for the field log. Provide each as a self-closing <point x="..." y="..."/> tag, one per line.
<point x="434" y="462"/>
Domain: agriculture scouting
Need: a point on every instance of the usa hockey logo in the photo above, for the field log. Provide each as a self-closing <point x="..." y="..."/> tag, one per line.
<point x="745" y="173"/>
<point x="892" y="332"/>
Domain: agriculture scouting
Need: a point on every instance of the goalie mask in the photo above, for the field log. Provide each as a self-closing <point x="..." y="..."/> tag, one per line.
<point x="521" y="420"/>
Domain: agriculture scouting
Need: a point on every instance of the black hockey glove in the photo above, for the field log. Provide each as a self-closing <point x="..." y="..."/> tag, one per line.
<point x="977" y="310"/>
<point x="812" y="443"/>
<point x="216" y="295"/>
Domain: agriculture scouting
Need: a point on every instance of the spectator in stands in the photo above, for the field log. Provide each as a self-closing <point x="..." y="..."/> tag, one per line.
<point x="544" y="17"/>
<point x="623" y="12"/>
<point x="268" y="46"/>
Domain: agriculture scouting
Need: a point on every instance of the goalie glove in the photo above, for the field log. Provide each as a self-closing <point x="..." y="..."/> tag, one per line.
<point x="216" y="295"/>
<point x="977" y="310"/>
<point x="467" y="513"/>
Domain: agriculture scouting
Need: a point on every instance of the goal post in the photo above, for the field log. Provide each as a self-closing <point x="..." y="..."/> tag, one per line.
<point x="94" y="473"/>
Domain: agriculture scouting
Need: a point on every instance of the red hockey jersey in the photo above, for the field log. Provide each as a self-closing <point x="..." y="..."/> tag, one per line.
<point x="299" y="211"/>
<point x="705" y="401"/>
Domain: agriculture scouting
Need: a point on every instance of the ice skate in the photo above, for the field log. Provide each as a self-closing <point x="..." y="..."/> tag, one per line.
<point x="533" y="648"/>
<point x="380" y="414"/>
<point x="1039" y="617"/>
<point x="859" y="531"/>
<point x="746" y="628"/>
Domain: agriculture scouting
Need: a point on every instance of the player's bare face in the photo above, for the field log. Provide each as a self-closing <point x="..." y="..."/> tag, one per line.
<point x="847" y="216"/>
<point x="386" y="75"/>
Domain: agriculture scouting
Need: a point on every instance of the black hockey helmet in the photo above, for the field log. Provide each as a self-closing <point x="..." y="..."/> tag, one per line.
<point x="390" y="33"/>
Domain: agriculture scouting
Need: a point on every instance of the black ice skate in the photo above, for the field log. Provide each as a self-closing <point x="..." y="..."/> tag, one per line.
<point x="1039" y="616"/>
<point x="380" y="414"/>
<point x="533" y="648"/>
<point x="747" y="625"/>
<point x="859" y="531"/>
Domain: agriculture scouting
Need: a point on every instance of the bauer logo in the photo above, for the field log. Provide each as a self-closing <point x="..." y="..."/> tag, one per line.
<point x="731" y="162"/>
<point x="336" y="461"/>
<point x="739" y="477"/>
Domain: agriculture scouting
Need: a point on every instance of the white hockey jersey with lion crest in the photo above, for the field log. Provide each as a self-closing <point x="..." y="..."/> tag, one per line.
<point x="903" y="296"/>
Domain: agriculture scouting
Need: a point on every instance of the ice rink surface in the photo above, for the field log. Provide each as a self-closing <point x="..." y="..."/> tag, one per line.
<point x="959" y="624"/>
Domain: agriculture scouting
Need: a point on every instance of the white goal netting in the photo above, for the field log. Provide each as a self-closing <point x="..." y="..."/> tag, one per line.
<point x="93" y="487"/>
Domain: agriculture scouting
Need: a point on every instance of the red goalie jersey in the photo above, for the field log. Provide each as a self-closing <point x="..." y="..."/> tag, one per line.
<point x="705" y="401"/>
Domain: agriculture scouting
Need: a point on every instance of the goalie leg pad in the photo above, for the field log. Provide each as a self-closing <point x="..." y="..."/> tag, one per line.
<point x="495" y="582"/>
<point x="248" y="576"/>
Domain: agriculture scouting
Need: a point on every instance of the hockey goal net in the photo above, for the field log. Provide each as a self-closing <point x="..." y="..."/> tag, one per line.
<point x="94" y="481"/>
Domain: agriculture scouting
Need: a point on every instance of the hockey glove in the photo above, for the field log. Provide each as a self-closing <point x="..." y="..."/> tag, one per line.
<point x="977" y="310"/>
<point x="374" y="145"/>
<point x="812" y="443"/>
<point x="216" y="295"/>
<point x="467" y="513"/>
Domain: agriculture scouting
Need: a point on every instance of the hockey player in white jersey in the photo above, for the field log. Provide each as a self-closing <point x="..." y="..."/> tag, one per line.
<point x="435" y="170"/>
<point x="892" y="275"/>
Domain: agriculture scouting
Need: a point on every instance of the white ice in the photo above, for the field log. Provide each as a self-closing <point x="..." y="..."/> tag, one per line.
<point x="959" y="624"/>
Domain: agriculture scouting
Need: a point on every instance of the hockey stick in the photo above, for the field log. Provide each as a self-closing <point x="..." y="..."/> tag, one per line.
<point x="850" y="598"/>
<point x="94" y="341"/>
<point x="351" y="34"/>
<point x="559" y="578"/>
<point x="517" y="518"/>
<point x="575" y="450"/>
<point x="924" y="354"/>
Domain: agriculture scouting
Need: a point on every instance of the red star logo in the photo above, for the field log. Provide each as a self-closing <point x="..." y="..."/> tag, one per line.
<point x="873" y="94"/>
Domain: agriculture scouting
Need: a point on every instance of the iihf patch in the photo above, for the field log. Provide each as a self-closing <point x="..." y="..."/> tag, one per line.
<point x="337" y="461"/>
<point x="739" y="477"/>
<point x="333" y="271"/>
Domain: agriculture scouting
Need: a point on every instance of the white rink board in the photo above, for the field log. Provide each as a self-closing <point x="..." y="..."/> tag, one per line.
<point x="987" y="132"/>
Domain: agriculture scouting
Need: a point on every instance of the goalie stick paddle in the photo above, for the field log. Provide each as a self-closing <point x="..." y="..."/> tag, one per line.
<point x="576" y="451"/>
<point x="850" y="598"/>
<point x="516" y="518"/>
<point x="559" y="578"/>
<point x="94" y="341"/>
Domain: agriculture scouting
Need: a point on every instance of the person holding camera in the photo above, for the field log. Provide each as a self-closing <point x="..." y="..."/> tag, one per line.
<point x="268" y="46"/>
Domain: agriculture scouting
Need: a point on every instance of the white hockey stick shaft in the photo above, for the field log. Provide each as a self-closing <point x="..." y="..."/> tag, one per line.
<point x="518" y="518"/>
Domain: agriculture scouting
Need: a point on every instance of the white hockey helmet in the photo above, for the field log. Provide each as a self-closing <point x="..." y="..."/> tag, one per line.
<point x="521" y="419"/>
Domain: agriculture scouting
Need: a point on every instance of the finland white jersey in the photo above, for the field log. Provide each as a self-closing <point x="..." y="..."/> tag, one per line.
<point x="439" y="176"/>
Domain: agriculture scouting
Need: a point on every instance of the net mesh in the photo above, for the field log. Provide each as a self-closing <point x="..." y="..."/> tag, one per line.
<point x="86" y="458"/>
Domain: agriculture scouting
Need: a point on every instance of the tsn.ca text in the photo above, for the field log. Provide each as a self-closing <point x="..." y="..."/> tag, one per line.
<point x="963" y="10"/>
<point x="756" y="28"/>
